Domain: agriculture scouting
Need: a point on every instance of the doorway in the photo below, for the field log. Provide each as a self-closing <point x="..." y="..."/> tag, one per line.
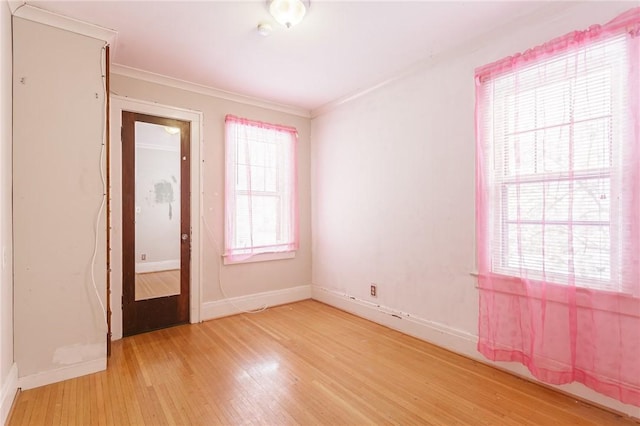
<point x="156" y="239"/>
<point x="120" y="104"/>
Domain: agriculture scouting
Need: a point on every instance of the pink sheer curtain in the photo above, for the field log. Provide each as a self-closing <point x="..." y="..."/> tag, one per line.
<point x="261" y="208"/>
<point x="558" y="206"/>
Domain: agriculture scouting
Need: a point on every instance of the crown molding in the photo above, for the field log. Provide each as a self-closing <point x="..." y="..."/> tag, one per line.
<point x="164" y="80"/>
<point x="32" y="13"/>
<point x="545" y="11"/>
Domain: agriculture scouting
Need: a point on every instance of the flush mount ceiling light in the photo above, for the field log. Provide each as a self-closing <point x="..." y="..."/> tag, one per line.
<point x="287" y="12"/>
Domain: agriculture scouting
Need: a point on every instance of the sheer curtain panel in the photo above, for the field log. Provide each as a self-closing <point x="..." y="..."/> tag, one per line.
<point x="261" y="209"/>
<point x="558" y="206"/>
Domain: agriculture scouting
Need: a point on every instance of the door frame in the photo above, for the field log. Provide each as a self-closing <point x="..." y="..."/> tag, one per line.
<point x="119" y="104"/>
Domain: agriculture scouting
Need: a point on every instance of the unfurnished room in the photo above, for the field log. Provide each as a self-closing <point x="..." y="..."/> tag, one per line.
<point x="321" y="212"/>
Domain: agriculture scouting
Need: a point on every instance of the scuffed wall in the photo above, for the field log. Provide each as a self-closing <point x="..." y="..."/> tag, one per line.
<point x="58" y="125"/>
<point x="393" y="187"/>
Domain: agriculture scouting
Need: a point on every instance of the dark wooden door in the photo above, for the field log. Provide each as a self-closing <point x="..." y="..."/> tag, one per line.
<point x="156" y="225"/>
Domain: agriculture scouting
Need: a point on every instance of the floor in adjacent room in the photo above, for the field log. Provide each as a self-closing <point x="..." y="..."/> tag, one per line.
<point x="150" y="285"/>
<point x="303" y="363"/>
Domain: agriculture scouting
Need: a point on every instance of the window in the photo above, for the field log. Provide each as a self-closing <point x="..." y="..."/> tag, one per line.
<point x="261" y="204"/>
<point x="553" y="135"/>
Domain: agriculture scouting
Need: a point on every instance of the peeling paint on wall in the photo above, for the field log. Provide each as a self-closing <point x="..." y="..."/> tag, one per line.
<point x="77" y="353"/>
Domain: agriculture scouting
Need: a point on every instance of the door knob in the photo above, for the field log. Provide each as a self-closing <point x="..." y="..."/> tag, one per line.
<point x="184" y="237"/>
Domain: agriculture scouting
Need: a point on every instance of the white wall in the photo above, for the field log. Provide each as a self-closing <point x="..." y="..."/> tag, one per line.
<point x="8" y="373"/>
<point x="58" y="110"/>
<point x="283" y="279"/>
<point x="393" y="191"/>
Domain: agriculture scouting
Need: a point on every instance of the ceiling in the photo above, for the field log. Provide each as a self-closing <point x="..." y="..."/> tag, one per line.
<point x="339" y="49"/>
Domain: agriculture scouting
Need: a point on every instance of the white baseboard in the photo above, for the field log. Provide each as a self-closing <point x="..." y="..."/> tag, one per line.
<point x="69" y="372"/>
<point x="235" y="305"/>
<point x="455" y="340"/>
<point x="163" y="265"/>
<point x="444" y="336"/>
<point x="8" y="393"/>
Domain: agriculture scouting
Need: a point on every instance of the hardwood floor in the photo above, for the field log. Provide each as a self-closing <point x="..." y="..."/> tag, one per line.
<point x="150" y="285"/>
<point x="304" y="363"/>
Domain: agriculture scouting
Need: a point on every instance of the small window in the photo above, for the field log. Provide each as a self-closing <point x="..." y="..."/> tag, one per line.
<point x="261" y="213"/>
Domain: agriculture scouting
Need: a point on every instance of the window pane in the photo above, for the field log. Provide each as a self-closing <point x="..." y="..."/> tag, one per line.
<point x="559" y="200"/>
<point x="261" y="215"/>
<point x="257" y="178"/>
<point x="242" y="182"/>
<point x="547" y="248"/>
<point x="258" y="154"/>
<point x="592" y="95"/>
<point x="592" y="145"/>
<point x="242" y="236"/>
<point x="265" y="220"/>
<point x="592" y="245"/>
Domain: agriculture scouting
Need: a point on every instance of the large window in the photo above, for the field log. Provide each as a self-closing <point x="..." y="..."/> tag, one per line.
<point x="554" y="135"/>
<point x="558" y="208"/>
<point x="261" y="204"/>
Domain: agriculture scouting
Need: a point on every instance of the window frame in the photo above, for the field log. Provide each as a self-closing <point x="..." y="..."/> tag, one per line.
<point x="499" y="219"/>
<point x="284" y="161"/>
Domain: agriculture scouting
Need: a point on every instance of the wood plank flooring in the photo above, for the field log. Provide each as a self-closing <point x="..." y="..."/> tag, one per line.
<point x="150" y="285"/>
<point x="304" y="363"/>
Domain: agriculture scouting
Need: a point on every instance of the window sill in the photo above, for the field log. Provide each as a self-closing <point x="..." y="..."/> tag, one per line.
<point x="263" y="257"/>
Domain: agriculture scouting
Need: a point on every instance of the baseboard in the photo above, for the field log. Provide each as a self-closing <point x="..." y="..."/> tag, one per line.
<point x="53" y="376"/>
<point x="235" y="305"/>
<point x="8" y="393"/>
<point x="163" y="265"/>
<point x="447" y="337"/>
<point x="458" y="341"/>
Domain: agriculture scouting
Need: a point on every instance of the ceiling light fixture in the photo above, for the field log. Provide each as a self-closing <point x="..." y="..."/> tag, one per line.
<point x="287" y="12"/>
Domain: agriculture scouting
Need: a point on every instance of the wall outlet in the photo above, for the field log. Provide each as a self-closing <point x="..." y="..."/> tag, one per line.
<point x="143" y="256"/>
<point x="374" y="290"/>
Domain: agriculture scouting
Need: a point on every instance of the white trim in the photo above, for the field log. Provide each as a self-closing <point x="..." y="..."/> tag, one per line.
<point x="163" y="265"/>
<point x="164" y="80"/>
<point x="63" y="373"/>
<point x="119" y="104"/>
<point x="236" y="305"/>
<point x="73" y="25"/>
<point x="262" y="257"/>
<point x="440" y="334"/>
<point x="453" y="339"/>
<point x="8" y="393"/>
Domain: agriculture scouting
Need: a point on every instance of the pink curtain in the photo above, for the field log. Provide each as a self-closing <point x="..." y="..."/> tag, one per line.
<point x="261" y="208"/>
<point x="558" y="208"/>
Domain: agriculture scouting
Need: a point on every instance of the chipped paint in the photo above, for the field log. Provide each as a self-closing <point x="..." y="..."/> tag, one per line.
<point x="77" y="353"/>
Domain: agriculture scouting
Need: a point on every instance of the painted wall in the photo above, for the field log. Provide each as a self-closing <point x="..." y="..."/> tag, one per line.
<point x="239" y="279"/>
<point x="393" y="190"/>
<point x="58" y="110"/>
<point x="7" y="382"/>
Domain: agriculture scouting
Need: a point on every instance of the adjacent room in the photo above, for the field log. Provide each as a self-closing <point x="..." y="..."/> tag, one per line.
<point x="319" y="212"/>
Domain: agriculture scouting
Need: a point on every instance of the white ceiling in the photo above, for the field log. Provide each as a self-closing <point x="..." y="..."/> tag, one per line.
<point x="339" y="49"/>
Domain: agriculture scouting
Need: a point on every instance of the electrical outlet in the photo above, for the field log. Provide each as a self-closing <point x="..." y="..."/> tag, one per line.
<point x="143" y="256"/>
<point x="374" y="290"/>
